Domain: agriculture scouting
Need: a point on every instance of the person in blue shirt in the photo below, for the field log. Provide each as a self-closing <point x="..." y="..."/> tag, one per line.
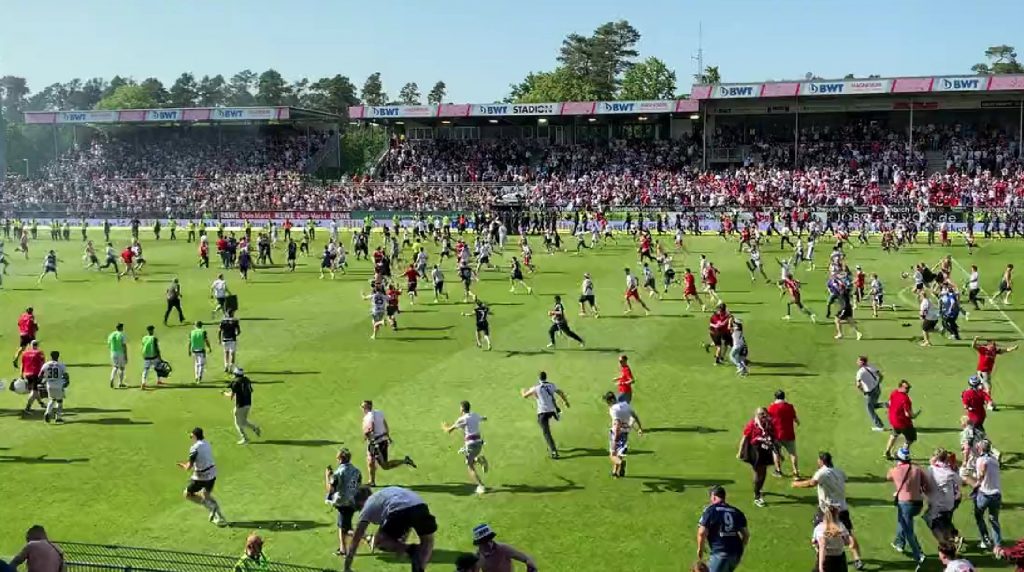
<point x="723" y="528"/>
<point x="949" y="308"/>
<point x="834" y="286"/>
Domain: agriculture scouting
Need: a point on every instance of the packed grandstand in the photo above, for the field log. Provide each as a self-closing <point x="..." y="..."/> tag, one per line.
<point x="963" y="150"/>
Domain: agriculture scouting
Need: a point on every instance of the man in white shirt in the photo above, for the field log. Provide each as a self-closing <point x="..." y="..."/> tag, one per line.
<point x="219" y="292"/>
<point x="989" y="497"/>
<point x="54" y="374"/>
<point x="831" y="484"/>
<point x="942" y="497"/>
<point x="973" y="288"/>
<point x="929" y="313"/>
<point x="378" y="439"/>
<point x="396" y="511"/>
<point x="204" y="476"/>
<point x="547" y="408"/>
<point x="473" y="441"/>
<point x="869" y="382"/>
<point x="623" y="420"/>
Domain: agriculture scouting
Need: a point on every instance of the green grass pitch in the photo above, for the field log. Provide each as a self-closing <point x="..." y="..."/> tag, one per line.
<point x="109" y="474"/>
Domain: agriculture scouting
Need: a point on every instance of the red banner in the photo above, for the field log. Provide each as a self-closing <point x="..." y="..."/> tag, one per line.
<point x="282" y="215"/>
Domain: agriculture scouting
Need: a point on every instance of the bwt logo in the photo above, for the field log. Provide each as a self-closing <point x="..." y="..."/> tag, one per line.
<point x="826" y="88"/>
<point x="74" y="117"/>
<point x="232" y="113"/>
<point x="493" y="109"/>
<point x="960" y="84"/>
<point x="618" y="107"/>
<point x="385" y="111"/>
<point x="745" y="91"/>
<point x="163" y="114"/>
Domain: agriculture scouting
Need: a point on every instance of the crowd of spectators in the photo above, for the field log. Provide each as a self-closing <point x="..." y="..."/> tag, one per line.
<point x="855" y="165"/>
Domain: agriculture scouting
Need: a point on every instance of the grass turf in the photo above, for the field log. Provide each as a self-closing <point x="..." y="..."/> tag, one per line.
<point x="108" y="475"/>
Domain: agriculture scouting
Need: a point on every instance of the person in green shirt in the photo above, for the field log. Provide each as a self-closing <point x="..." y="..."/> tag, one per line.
<point x="172" y="225"/>
<point x="150" y="356"/>
<point x="311" y="229"/>
<point x="34" y="228"/>
<point x="253" y="560"/>
<point x="117" y="343"/>
<point x="220" y="229"/>
<point x="198" y="345"/>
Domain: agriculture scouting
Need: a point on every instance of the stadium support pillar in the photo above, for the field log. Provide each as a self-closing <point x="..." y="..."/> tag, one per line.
<point x="796" y="134"/>
<point x="56" y="147"/>
<point x="1020" y="132"/>
<point x="704" y="138"/>
<point x="911" y="137"/>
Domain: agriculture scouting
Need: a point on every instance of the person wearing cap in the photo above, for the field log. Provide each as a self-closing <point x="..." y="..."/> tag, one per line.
<point x="396" y="511"/>
<point x="901" y="418"/>
<point x="204" y="476"/>
<point x="723" y="529"/>
<point x="32" y="360"/>
<point x="988" y="497"/>
<point x="342" y="484"/>
<point x="198" y="345"/>
<point x="869" y="381"/>
<point x="831" y="485"/>
<point x="975" y="400"/>
<point x="912" y="484"/>
<point x="240" y="391"/>
<point x="495" y="556"/>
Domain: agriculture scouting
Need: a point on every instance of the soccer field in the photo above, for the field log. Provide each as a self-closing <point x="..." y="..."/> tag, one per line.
<point x="109" y="475"/>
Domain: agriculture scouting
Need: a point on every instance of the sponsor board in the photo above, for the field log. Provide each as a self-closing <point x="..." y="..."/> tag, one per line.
<point x="499" y="109"/>
<point x="87" y="117"/>
<point x="966" y="83"/>
<point x="736" y="91"/>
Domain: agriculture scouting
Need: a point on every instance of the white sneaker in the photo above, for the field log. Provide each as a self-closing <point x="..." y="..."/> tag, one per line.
<point x="242" y="442"/>
<point x="480" y="489"/>
<point x="860" y="336"/>
<point x="878" y="429"/>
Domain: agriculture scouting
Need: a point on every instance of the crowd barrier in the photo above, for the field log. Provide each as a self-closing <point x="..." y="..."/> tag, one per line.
<point x="84" y="557"/>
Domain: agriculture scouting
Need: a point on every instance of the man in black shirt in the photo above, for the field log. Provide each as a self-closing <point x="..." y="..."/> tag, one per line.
<point x="292" y="252"/>
<point x="483" y="329"/>
<point x="174" y="301"/>
<point x="559" y="323"/>
<point x="241" y="393"/>
<point x="227" y="335"/>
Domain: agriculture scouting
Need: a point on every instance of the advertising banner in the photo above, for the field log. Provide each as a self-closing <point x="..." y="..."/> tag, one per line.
<point x="788" y="89"/>
<point x="966" y="83"/>
<point x="912" y="85"/>
<point x="846" y="87"/>
<point x="244" y="113"/>
<point x="1005" y="82"/>
<point x="615" y="107"/>
<point x="453" y="110"/>
<point x="40" y="117"/>
<point x="163" y="115"/>
<point x="578" y="108"/>
<point x="687" y="106"/>
<point x="736" y="90"/>
<point x="294" y="216"/>
<point x="499" y="109"/>
<point x="87" y="117"/>
<point x="699" y="92"/>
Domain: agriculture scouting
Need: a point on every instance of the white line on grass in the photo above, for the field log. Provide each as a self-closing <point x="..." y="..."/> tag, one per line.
<point x="989" y="299"/>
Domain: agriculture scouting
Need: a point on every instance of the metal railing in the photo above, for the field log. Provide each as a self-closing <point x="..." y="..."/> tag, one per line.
<point x="83" y="557"/>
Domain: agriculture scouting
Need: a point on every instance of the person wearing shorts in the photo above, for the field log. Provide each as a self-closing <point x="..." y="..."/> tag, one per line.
<point x="396" y="511"/>
<point x="342" y="484"/>
<point x="473" y="442"/>
<point x="204" y="476"/>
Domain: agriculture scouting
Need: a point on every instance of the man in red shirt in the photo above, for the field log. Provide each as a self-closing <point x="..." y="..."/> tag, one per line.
<point x="128" y="257"/>
<point x="27" y="329"/>
<point x="711" y="281"/>
<point x="987" y="362"/>
<point x="975" y="399"/>
<point x="901" y="417"/>
<point x="32" y="361"/>
<point x="412" y="277"/>
<point x="690" y="290"/>
<point x="393" y="294"/>
<point x="718" y="327"/>
<point x="625" y="380"/>
<point x="792" y="286"/>
<point x="784" y="420"/>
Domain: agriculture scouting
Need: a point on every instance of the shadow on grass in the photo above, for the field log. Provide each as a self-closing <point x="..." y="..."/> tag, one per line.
<point x="937" y="430"/>
<point x="259" y="319"/>
<point x="580" y="452"/>
<point x="278" y="525"/>
<point x="779" y="364"/>
<point x="413" y="339"/>
<point x="684" y="429"/>
<point x="438" y="556"/>
<point x="285" y="372"/>
<point x="41" y="460"/>
<point x="868" y="479"/>
<point x="467" y="489"/>
<point x="88" y="365"/>
<point x="296" y="442"/>
<point x="111" y="421"/>
<point x="514" y="353"/>
<point x="676" y="484"/>
<point x="784" y="374"/>
<point x="428" y="329"/>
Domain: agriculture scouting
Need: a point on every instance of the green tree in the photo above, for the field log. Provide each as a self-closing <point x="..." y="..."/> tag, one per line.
<point x="13" y="93"/>
<point x="116" y="82"/>
<point x="602" y="57"/>
<point x="409" y="94"/>
<point x="360" y="147"/>
<point x="437" y="93"/>
<point x="128" y="97"/>
<point x="271" y="88"/>
<point x="710" y="76"/>
<point x="184" y="92"/>
<point x="559" y="85"/>
<point x="373" y="90"/>
<point x="519" y="91"/>
<point x="1002" y="59"/>
<point x="155" y="88"/>
<point x="212" y="91"/>
<point x="333" y="94"/>
<point x="649" y="79"/>
<point x="239" y="89"/>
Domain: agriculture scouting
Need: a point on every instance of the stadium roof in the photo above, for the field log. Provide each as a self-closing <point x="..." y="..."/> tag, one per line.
<point x="181" y="115"/>
<point x="869" y="86"/>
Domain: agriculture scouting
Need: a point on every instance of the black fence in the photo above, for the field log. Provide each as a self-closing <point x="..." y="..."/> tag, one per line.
<point x="81" y="557"/>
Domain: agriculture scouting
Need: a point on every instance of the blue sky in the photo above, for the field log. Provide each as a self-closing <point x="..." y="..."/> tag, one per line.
<point x="479" y="48"/>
